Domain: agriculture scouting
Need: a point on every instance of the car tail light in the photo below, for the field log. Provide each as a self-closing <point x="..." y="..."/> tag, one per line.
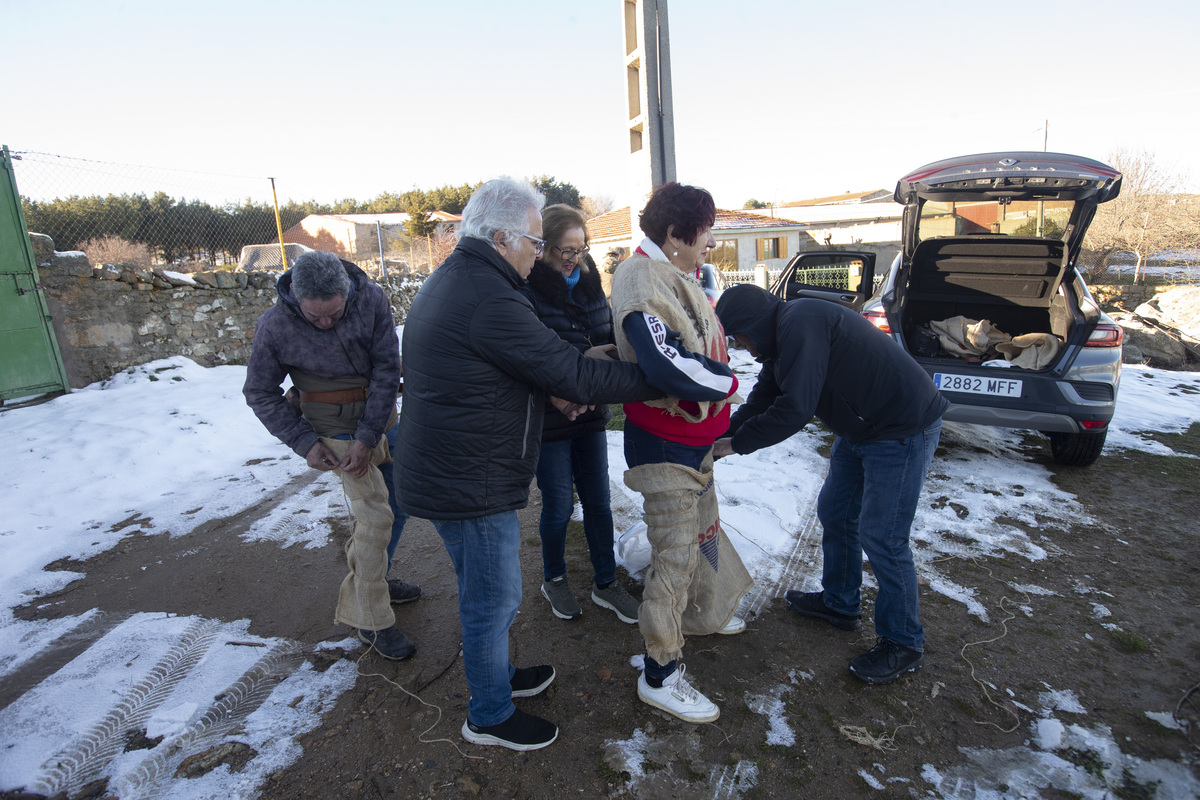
<point x="1105" y="335"/>
<point x="1093" y="425"/>
<point x="878" y="319"/>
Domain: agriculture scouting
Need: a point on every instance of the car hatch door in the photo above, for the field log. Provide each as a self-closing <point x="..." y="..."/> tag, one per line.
<point x="839" y="276"/>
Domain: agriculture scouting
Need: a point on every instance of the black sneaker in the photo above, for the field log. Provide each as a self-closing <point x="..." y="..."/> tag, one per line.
<point x="812" y="604"/>
<point x="521" y="731"/>
<point x="529" y="681"/>
<point x="886" y="661"/>
<point x="389" y="643"/>
<point x="400" y="592"/>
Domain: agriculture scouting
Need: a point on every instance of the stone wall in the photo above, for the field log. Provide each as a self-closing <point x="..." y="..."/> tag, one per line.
<point x="1123" y="295"/>
<point x="109" y="318"/>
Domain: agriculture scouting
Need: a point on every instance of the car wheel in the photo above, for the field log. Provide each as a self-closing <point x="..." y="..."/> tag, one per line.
<point x="1077" y="449"/>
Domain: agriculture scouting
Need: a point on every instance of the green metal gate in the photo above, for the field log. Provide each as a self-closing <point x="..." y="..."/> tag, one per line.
<point x="29" y="359"/>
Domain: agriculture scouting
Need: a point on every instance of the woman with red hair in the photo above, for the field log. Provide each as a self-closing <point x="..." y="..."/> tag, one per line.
<point x="664" y="322"/>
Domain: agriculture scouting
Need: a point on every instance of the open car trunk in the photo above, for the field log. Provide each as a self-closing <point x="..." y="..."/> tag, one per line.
<point x="1013" y="283"/>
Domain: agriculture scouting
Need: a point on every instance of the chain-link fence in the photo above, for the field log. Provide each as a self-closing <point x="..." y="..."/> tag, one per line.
<point x="191" y="221"/>
<point x="145" y="216"/>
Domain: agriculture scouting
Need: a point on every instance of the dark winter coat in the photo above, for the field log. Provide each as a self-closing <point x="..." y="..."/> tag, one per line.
<point x="822" y="359"/>
<point x="362" y="344"/>
<point x="583" y="319"/>
<point x="478" y="365"/>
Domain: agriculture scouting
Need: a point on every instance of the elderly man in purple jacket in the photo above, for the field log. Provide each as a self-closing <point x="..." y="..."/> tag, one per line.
<point x="332" y="333"/>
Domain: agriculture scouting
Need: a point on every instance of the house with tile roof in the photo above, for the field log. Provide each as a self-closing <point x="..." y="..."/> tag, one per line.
<point x="357" y="235"/>
<point x="868" y="221"/>
<point x="744" y="239"/>
<point x="849" y="198"/>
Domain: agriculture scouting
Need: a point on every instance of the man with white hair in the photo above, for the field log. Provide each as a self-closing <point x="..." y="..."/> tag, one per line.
<point x="478" y="367"/>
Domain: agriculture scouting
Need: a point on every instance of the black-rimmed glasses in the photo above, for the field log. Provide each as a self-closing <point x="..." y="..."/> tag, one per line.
<point x="569" y="254"/>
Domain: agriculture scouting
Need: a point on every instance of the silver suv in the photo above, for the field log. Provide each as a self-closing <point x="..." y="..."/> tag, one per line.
<point x="995" y="237"/>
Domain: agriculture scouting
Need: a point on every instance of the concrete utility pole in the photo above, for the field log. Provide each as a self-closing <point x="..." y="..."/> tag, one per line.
<point x="648" y="101"/>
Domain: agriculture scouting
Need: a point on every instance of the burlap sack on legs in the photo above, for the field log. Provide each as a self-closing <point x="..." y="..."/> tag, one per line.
<point x="363" y="598"/>
<point x="696" y="579"/>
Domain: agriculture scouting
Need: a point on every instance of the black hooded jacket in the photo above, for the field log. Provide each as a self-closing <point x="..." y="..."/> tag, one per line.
<point x="583" y="319"/>
<point x="823" y="360"/>
<point x="478" y="365"/>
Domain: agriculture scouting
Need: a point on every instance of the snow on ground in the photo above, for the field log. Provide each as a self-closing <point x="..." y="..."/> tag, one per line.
<point x="170" y="445"/>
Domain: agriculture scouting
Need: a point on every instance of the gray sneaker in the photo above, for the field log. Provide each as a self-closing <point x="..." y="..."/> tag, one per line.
<point x="616" y="599"/>
<point x="562" y="599"/>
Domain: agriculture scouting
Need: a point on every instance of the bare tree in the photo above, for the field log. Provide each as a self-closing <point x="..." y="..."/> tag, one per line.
<point x="1145" y="219"/>
<point x="442" y="245"/>
<point x="593" y="207"/>
<point x="115" y="250"/>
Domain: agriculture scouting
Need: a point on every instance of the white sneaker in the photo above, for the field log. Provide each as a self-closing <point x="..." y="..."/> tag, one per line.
<point x="678" y="697"/>
<point x="735" y="625"/>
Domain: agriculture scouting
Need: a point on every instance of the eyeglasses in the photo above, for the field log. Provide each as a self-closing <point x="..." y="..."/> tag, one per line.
<point x="538" y="244"/>
<point x="569" y="254"/>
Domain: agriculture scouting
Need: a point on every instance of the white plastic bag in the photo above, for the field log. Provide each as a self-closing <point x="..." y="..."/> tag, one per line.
<point x="633" y="548"/>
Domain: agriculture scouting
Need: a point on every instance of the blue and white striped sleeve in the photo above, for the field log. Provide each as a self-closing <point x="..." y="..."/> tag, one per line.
<point x="671" y="367"/>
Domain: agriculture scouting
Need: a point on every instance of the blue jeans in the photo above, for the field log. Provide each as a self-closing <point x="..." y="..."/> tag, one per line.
<point x="643" y="447"/>
<point x="867" y="504"/>
<point x="583" y="461"/>
<point x="398" y="516"/>
<point x="485" y="552"/>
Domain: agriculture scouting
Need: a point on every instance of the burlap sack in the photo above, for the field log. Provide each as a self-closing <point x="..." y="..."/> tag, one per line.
<point x="675" y="297"/>
<point x="696" y="578"/>
<point x="363" y="600"/>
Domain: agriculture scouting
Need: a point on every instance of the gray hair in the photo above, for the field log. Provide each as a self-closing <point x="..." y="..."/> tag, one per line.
<point x="500" y="205"/>
<point x="319" y="276"/>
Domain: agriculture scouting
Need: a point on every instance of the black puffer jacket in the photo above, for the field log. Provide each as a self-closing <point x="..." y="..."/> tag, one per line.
<point x="478" y="365"/>
<point x="583" y="319"/>
<point x="824" y="360"/>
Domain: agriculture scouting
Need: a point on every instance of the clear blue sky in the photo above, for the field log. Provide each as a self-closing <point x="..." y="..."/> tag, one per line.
<point x="775" y="99"/>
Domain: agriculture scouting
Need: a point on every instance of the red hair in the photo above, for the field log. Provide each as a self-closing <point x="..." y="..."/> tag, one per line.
<point x="689" y="208"/>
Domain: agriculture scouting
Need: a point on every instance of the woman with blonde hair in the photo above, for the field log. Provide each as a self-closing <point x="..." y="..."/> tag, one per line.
<point x="565" y="290"/>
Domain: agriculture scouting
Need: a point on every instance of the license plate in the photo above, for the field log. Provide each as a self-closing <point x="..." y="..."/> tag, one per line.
<point x="1001" y="387"/>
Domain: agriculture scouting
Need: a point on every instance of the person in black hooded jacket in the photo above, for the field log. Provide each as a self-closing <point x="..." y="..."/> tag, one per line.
<point x="565" y="290"/>
<point x="478" y="368"/>
<point x="824" y="360"/>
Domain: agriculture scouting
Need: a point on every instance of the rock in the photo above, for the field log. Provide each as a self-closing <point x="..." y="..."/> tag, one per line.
<point x="43" y="247"/>
<point x="1178" y="308"/>
<point x="73" y="262"/>
<point x="1132" y="354"/>
<point x="205" y="279"/>
<point x="1149" y="345"/>
<point x="225" y="280"/>
<point x="235" y="754"/>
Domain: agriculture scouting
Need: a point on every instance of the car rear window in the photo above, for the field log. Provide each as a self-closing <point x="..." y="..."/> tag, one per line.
<point x="1042" y="219"/>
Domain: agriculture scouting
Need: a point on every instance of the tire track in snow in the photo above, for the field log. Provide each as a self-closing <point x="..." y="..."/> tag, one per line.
<point x="791" y="568"/>
<point x="151" y="778"/>
<point x="81" y="763"/>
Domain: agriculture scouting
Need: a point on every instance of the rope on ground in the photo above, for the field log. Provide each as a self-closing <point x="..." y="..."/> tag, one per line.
<point x="421" y="736"/>
<point x="885" y="742"/>
<point x="987" y="695"/>
<point x="1186" y="724"/>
